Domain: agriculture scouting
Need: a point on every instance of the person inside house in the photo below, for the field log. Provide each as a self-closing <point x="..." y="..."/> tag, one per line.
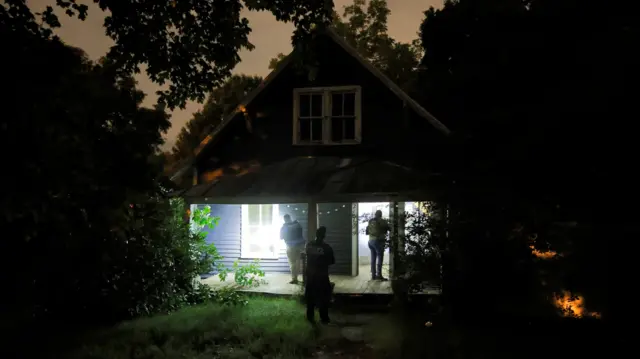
<point x="291" y="232"/>
<point x="318" y="287"/>
<point x="377" y="230"/>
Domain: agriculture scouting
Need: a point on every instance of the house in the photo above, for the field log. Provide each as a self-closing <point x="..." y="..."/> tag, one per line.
<point x="324" y="150"/>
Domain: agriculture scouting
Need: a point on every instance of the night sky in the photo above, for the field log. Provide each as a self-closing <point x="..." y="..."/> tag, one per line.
<point x="269" y="36"/>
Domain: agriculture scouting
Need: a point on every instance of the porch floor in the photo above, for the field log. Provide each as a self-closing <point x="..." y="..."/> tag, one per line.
<point x="278" y="283"/>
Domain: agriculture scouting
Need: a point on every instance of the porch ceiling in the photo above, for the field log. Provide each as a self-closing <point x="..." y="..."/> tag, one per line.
<point x="316" y="179"/>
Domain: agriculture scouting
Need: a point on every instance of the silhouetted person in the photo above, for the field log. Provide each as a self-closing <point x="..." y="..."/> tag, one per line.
<point x="377" y="231"/>
<point x="291" y="232"/>
<point x="317" y="286"/>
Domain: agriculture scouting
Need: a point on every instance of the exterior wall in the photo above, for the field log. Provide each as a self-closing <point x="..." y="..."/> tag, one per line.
<point x="387" y="126"/>
<point x="227" y="236"/>
<point x="338" y="220"/>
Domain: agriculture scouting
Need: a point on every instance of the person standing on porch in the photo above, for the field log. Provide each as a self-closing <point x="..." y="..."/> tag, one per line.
<point x="291" y="232"/>
<point x="318" y="287"/>
<point x="377" y="231"/>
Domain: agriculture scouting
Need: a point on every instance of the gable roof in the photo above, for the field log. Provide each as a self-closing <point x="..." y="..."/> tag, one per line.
<point x="415" y="106"/>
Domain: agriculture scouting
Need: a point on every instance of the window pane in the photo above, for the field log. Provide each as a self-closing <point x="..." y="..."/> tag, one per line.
<point x="336" y="129"/>
<point x="349" y="128"/>
<point x="267" y="214"/>
<point x="336" y="104"/>
<point x="316" y="105"/>
<point x="316" y="129"/>
<point x="304" y="106"/>
<point x="254" y="215"/>
<point x="305" y="129"/>
<point x="350" y="104"/>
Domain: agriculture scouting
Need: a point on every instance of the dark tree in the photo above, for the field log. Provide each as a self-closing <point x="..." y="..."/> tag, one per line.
<point x="536" y="93"/>
<point x="191" y="44"/>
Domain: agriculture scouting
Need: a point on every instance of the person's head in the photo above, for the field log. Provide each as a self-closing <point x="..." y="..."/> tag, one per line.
<point x="378" y="214"/>
<point x="321" y="233"/>
<point x="287" y="218"/>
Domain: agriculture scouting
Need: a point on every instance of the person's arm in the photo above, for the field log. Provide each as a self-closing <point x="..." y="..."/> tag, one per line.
<point x="366" y="231"/>
<point x="282" y="232"/>
<point x="331" y="259"/>
<point x="299" y="232"/>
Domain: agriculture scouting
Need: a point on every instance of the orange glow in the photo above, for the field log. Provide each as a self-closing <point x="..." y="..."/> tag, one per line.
<point x="202" y="144"/>
<point x="242" y="109"/>
<point x="573" y="306"/>
<point x="240" y="168"/>
<point x="538" y="253"/>
<point x="212" y="175"/>
<point x="543" y="255"/>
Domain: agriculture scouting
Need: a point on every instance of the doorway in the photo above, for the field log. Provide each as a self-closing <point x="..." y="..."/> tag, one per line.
<point x="365" y="211"/>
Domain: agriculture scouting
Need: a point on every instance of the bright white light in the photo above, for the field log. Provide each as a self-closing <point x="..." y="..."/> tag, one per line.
<point x="261" y="241"/>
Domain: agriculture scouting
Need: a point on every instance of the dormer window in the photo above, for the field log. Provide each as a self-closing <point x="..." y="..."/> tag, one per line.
<point x="327" y="116"/>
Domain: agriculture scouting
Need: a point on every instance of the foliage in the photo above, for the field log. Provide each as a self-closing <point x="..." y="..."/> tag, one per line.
<point x="263" y="328"/>
<point x="221" y="102"/>
<point x="229" y="296"/>
<point x="248" y="275"/>
<point x="77" y="222"/>
<point x="193" y="45"/>
<point x="206" y="253"/>
<point x="364" y="26"/>
<point x="523" y="147"/>
<point x="225" y="295"/>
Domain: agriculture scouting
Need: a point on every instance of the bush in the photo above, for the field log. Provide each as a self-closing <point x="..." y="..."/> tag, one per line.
<point x="145" y="264"/>
<point x="248" y="275"/>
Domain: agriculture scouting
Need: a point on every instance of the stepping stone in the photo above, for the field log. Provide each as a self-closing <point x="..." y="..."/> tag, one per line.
<point x="353" y="334"/>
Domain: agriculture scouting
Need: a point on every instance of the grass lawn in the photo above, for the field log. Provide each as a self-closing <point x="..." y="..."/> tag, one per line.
<point x="264" y="328"/>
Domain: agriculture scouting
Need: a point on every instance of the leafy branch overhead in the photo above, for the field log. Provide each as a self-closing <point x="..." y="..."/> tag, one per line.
<point x="191" y="45"/>
<point x="363" y="24"/>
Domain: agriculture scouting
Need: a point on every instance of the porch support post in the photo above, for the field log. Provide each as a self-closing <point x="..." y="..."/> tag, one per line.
<point x="393" y="235"/>
<point x="401" y="229"/>
<point x="396" y="265"/>
<point x="312" y="226"/>
<point x="312" y="221"/>
<point x="355" y="257"/>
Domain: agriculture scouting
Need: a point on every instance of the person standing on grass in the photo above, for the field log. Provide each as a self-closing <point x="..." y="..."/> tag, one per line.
<point x="377" y="231"/>
<point x="291" y="232"/>
<point x="317" y="290"/>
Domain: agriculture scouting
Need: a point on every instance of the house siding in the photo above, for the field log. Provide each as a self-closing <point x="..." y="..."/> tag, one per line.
<point x="337" y="218"/>
<point x="227" y="237"/>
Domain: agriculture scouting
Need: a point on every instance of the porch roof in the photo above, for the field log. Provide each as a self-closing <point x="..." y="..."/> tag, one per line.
<point x="316" y="179"/>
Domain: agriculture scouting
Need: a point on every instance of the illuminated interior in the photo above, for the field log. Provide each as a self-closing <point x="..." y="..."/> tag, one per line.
<point x="370" y="208"/>
<point x="261" y="231"/>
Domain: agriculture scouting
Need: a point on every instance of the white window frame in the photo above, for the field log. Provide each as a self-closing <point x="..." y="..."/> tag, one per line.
<point x="271" y="234"/>
<point x="326" y="114"/>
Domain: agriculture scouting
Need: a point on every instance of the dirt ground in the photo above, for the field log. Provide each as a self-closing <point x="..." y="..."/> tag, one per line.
<point x="356" y="336"/>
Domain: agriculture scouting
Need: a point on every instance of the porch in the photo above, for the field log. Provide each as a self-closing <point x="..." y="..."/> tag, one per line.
<point x="278" y="283"/>
<point x="316" y="191"/>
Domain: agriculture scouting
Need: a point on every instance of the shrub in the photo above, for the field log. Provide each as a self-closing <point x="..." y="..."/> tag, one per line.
<point x="248" y="275"/>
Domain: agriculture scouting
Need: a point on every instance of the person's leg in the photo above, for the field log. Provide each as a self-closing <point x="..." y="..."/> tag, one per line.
<point x="295" y="265"/>
<point x="380" y="252"/>
<point x="311" y="302"/>
<point x="325" y="300"/>
<point x="374" y="256"/>
<point x="293" y="259"/>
